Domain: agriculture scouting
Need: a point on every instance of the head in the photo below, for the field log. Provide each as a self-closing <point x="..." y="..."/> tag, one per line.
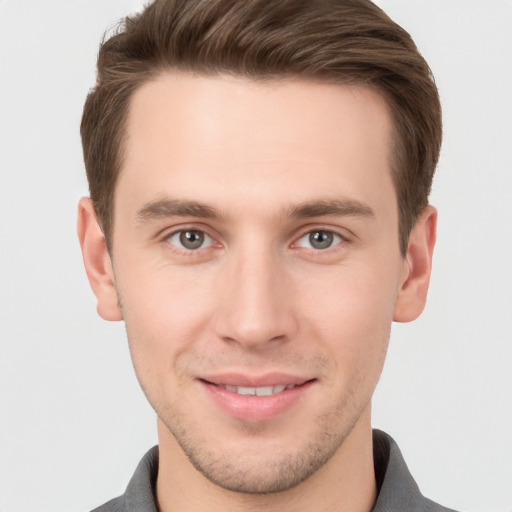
<point x="340" y="42"/>
<point x="259" y="175"/>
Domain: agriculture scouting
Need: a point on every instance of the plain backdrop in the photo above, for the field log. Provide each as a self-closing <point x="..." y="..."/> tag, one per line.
<point x="73" y="422"/>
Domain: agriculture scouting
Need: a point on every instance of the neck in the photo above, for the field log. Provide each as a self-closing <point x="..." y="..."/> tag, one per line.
<point x="346" y="482"/>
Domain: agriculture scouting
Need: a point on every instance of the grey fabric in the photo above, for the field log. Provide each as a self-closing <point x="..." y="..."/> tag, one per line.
<point x="139" y="495"/>
<point x="397" y="490"/>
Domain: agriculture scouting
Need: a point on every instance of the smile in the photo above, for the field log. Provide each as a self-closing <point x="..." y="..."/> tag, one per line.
<point x="247" y="400"/>
<point x="258" y="391"/>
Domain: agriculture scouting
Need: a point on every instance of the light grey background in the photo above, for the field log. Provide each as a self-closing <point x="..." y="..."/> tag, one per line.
<point x="73" y="422"/>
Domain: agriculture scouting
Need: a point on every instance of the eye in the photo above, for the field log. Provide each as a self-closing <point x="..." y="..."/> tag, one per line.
<point x="190" y="239"/>
<point x="319" y="239"/>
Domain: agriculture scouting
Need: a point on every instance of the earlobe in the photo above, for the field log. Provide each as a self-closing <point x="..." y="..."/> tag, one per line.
<point x="97" y="262"/>
<point x="417" y="266"/>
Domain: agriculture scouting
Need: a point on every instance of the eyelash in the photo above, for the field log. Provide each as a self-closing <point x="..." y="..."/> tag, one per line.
<point x="338" y="240"/>
<point x="184" y="250"/>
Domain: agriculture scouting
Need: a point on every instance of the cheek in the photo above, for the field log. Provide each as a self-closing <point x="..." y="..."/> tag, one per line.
<point x="351" y="315"/>
<point x="165" y="313"/>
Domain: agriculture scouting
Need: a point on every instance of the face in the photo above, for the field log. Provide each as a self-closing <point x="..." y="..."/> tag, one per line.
<point x="257" y="265"/>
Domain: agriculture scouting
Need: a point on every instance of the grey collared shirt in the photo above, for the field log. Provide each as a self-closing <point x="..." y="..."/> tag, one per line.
<point x="397" y="490"/>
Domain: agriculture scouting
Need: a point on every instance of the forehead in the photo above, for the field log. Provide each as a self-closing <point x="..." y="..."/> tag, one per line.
<point x="199" y="135"/>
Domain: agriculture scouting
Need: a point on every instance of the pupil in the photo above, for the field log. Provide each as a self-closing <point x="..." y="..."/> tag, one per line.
<point x="321" y="239"/>
<point x="192" y="239"/>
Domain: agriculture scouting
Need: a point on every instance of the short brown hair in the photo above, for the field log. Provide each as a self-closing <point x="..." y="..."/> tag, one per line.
<point x="339" y="41"/>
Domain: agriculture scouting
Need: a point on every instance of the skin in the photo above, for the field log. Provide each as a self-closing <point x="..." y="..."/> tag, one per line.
<point x="266" y="165"/>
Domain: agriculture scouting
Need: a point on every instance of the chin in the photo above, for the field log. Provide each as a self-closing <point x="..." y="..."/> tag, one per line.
<point x="263" y="474"/>
<point x="256" y="464"/>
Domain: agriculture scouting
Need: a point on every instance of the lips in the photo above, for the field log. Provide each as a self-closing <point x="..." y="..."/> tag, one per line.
<point x="245" y="380"/>
<point x="255" y="399"/>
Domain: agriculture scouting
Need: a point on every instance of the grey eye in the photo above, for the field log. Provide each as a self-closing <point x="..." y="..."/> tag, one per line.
<point x="319" y="239"/>
<point x="190" y="239"/>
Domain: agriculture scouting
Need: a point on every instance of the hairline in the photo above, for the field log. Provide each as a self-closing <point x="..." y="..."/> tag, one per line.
<point x="395" y="140"/>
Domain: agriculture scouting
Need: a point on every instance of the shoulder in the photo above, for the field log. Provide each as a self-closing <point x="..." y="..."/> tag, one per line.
<point x="114" y="505"/>
<point x="430" y="506"/>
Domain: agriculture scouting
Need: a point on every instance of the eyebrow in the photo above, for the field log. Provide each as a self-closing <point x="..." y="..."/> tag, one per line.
<point x="335" y="207"/>
<point x="165" y="208"/>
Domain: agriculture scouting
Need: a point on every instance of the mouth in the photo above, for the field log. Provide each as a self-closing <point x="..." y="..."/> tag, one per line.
<point x="252" y="401"/>
<point x="257" y="391"/>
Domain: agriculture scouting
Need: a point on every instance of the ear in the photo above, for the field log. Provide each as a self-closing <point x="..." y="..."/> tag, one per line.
<point x="97" y="262"/>
<point x="417" y="266"/>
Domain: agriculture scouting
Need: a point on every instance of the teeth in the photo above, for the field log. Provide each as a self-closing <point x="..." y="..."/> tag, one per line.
<point x="264" y="391"/>
<point x="261" y="391"/>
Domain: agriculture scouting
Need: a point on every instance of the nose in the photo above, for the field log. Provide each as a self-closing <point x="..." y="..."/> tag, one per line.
<point x="255" y="305"/>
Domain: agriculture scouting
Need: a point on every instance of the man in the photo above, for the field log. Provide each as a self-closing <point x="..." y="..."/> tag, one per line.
<point x="259" y="176"/>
